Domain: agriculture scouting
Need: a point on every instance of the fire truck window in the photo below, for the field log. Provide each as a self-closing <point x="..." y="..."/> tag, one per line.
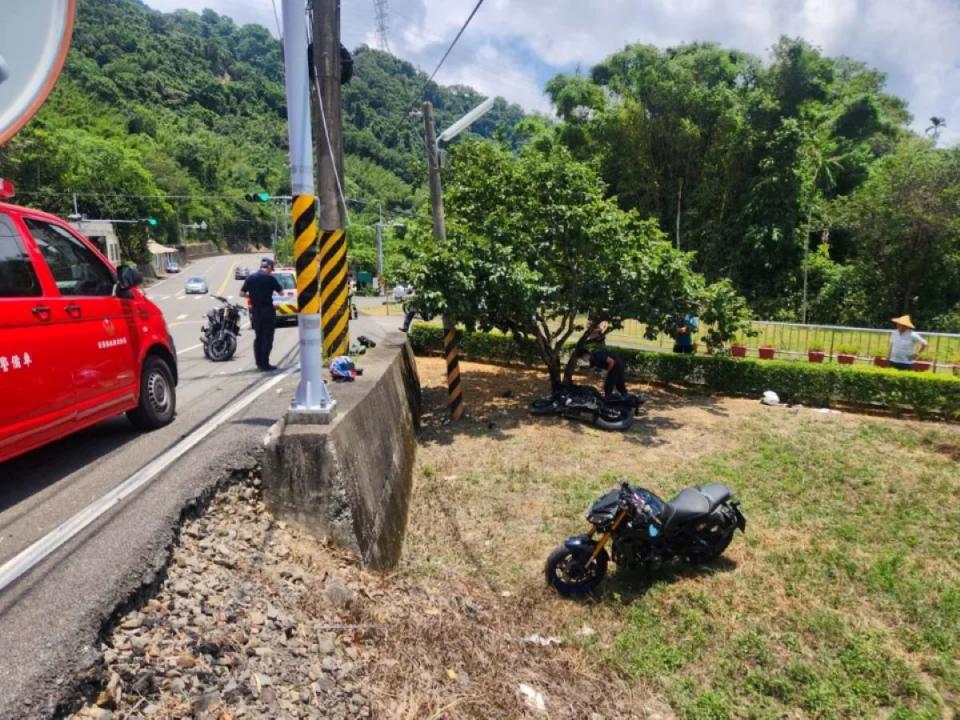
<point x="17" y="276"/>
<point x="76" y="270"/>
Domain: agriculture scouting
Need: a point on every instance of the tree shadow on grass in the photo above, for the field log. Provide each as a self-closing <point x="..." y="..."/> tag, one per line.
<point x="628" y="585"/>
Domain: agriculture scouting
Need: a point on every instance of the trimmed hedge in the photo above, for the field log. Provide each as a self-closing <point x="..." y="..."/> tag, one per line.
<point x="794" y="382"/>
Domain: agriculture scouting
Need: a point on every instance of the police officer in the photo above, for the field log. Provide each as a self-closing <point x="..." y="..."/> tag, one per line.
<point x="260" y="288"/>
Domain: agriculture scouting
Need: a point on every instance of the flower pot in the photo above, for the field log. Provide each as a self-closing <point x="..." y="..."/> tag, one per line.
<point x="766" y="353"/>
<point x="815" y="356"/>
<point x="738" y="350"/>
<point x="879" y="361"/>
<point x="845" y="359"/>
<point x="921" y="365"/>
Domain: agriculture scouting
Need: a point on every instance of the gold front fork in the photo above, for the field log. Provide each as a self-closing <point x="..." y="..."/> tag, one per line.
<point x="606" y="536"/>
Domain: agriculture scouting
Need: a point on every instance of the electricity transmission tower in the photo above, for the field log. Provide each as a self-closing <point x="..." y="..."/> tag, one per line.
<point x="381" y="9"/>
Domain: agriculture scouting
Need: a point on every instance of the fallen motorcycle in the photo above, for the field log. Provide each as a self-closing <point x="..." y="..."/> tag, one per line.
<point x="587" y="403"/>
<point x="219" y="334"/>
<point x="695" y="526"/>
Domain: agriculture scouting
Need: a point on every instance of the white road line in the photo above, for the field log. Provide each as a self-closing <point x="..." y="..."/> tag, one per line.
<point x="181" y="297"/>
<point x="186" y="350"/>
<point x="22" y="563"/>
<point x="182" y="317"/>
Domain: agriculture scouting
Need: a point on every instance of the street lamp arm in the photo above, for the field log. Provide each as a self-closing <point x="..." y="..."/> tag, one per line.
<point x="466" y="121"/>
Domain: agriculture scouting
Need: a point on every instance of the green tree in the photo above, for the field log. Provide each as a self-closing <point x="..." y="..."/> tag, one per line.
<point x="535" y="249"/>
<point x="905" y="224"/>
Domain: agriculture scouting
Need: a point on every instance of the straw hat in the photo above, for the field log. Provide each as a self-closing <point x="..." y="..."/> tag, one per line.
<point x="904" y="320"/>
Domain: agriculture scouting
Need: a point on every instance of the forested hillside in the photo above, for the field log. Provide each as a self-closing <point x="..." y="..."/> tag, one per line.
<point x="745" y="163"/>
<point x="180" y="104"/>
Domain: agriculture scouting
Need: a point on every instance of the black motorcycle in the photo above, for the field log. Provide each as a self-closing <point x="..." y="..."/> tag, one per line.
<point x="696" y="526"/>
<point x="587" y="403"/>
<point x="219" y="334"/>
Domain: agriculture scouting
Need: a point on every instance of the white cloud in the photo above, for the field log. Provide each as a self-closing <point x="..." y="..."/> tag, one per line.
<point x="513" y="46"/>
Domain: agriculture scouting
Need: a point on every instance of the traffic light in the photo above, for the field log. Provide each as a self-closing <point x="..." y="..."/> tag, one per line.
<point x="257" y="197"/>
<point x="151" y="221"/>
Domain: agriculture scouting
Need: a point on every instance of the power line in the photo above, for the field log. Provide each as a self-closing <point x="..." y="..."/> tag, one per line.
<point x="462" y="28"/>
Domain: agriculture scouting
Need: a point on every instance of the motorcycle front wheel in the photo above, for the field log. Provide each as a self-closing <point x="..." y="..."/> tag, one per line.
<point x="222" y="349"/>
<point x="567" y="575"/>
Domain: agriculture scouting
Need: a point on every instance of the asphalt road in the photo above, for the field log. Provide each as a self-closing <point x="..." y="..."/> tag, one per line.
<point x="51" y="617"/>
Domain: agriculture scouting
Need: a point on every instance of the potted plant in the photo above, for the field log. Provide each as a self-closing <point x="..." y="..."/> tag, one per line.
<point x="922" y="362"/>
<point x="738" y="350"/>
<point x="766" y="352"/>
<point x="815" y="352"/>
<point x="846" y="354"/>
<point x="880" y="360"/>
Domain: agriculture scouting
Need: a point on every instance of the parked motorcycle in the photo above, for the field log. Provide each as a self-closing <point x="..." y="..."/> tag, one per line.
<point x="696" y="526"/>
<point x="586" y="402"/>
<point x="219" y="334"/>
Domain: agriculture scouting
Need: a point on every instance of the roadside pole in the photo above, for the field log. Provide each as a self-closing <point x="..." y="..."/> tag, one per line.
<point x="312" y="398"/>
<point x="380" y="248"/>
<point x="334" y="300"/>
<point x="451" y="345"/>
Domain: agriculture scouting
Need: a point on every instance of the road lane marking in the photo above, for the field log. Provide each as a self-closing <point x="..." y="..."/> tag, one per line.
<point x="19" y="565"/>
<point x="226" y="279"/>
<point x="181" y="296"/>
<point x="186" y="350"/>
<point x="182" y="317"/>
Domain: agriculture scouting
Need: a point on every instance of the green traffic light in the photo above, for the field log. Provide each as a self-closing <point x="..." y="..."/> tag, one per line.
<point x="258" y="197"/>
<point x="152" y="222"/>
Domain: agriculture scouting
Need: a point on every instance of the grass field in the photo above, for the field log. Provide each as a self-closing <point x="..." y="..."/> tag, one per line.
<point x="841" y="601"/>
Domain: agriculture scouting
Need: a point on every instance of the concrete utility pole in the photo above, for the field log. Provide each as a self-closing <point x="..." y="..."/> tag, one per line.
<point x="312" y="397"/>
<point x="380" y="245"/>
<point x="451" y="347"/>
<point x="334" y="301"/>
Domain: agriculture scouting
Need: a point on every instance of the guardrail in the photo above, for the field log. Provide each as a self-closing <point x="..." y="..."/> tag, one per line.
<point x="792" y="341"/>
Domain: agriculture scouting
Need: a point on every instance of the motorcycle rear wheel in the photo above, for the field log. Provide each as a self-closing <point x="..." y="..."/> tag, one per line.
<point x="614" y="419"/>
<point x="223" y="349"/>
<point x="565" y="572"/>
<point x="715" y="550"/>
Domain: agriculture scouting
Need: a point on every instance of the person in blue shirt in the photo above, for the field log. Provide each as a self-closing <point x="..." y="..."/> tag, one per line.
<point x="260" y="288"/>
<point x="685" y="326"/>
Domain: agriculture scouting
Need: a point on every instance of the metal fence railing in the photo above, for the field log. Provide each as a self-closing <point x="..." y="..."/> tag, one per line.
<point x="792" y="341"/>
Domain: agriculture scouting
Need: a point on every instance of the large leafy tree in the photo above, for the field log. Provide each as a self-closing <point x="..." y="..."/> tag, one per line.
<point x="905" y="221"/>
<point x="534" y="248"/>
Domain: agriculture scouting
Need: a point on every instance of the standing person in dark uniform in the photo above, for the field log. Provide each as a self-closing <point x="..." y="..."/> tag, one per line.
<point x="260" y="288"/>
<point x="603" y="359"/>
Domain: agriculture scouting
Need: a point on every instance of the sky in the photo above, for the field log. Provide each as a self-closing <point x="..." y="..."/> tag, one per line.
<point x="513" y="47"/>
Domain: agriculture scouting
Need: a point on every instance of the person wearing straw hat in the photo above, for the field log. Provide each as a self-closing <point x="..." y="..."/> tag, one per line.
<point x="903" y="344"/>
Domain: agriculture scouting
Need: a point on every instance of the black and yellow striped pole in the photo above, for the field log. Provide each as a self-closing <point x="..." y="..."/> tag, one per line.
<point x="451" y="353"/>
<point x="334" y="298"/>
<point x="451" y="345"/>
<point x="305" y="253"/>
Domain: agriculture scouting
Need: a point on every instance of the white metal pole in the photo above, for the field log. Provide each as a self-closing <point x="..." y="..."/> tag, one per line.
<point x="312" y="395"/>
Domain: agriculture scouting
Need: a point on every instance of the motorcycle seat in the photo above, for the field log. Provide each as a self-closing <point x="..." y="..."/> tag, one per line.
<point x="694" y="502"/>
<point x="689" y="503"/>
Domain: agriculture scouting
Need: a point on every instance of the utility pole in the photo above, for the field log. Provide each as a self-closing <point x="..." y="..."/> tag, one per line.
<point x="312" y="397"/>
<point x="380" y="247"/>
<point x="334" y="301"/>
<point x="451" y="346"/>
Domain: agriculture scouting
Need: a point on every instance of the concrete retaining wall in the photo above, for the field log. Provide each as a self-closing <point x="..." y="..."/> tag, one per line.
<point x="350" y="481"/>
